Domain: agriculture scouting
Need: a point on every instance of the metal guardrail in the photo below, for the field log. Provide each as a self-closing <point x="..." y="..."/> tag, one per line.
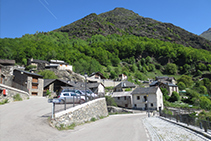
<point x="189" y="120"/>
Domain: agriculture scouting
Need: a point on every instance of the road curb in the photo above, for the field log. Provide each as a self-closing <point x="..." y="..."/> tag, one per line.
<point x="194" y="130"/>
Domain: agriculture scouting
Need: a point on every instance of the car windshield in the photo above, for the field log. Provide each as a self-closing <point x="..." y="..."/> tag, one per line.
<point x="67" y="90"/>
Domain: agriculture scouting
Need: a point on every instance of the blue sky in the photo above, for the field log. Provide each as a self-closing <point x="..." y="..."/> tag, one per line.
<point x="19" y="17"/>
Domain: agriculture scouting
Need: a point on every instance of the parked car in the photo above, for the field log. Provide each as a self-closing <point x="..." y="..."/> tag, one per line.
<point x="90" y="94"/>
<point x="71" y="97"/>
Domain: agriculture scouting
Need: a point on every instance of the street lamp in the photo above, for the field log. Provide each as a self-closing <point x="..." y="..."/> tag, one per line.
<point x="85" y="86"/>
<point x="22" y="80"/>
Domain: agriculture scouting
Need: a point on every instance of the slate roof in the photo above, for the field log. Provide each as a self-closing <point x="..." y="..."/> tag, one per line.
<point x="7" y="62"/>
<point x="98" y="73"/>
<point x="94" y="85"/>
<point x="126" y="84"/>
<point x="156" y="83"/>
<point x="119" y="94"/>
<point x="38" y="61"/>
<point x="75" y="88"/>
<point x="29" y="73"/>
<point x="149" y="90"/>
<point x="50" y="81"/>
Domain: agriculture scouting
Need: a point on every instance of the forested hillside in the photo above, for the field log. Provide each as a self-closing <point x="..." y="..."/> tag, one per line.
<point x="125" y="22"/>
<point x="120" y="41"/>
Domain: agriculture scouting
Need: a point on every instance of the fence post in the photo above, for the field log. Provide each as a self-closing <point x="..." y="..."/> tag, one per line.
<point x="73" y="101"/>
<point x="53" y="110"/>
<point x="205" y="126"/>
<point x="65" y="103"/>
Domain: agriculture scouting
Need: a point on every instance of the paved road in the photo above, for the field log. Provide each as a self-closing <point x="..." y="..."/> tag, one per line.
<point x="27" y="120"/>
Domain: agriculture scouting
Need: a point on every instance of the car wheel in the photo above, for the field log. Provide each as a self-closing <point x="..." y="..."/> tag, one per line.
<point x="82" y="101"/>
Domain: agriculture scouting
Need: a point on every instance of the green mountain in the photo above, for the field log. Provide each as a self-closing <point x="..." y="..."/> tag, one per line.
<point x="207" y="34"/>
<point x="122" y="21"/>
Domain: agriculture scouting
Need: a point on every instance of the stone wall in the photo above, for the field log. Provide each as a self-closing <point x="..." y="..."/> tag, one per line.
<point x="82" y="113"/>
<point x="11" y="92"/>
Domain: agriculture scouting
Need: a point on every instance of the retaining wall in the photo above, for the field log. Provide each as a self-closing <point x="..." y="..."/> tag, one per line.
<point x="11" y="92"/>
<point x="82" y="113"/>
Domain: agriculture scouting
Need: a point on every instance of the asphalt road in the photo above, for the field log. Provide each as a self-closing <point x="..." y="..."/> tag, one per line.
<point x="27" y="121"/>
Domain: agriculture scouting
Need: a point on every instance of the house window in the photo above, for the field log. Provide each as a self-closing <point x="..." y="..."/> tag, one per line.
<point x="151" y="104"/>
<point x="118" y="98"/>
<point x="138" y="97"/>
<point x="125" y="105"/>
<point x="145" y="98"/>
<point x="34" y="80"/>
<point x="125" y="97"/>
<point x="135" y="105"/>
<point x="34" y="86"/>
<point x="34" y="93"/>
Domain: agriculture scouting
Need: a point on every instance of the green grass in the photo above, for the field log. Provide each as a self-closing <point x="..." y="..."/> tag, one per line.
<point x="17" y="97"/>
<point x="4" y="101"/>
<point x="63" y="127"/>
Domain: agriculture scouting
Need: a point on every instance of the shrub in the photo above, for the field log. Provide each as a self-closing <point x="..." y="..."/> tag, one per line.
<point x="17" y="97"/>
<point x="181" y="85"/>
<point x="29" y="67"/>
<point x="110" y="101"/>
<point x="187" y="80"/>
<point x="47" y="74"/>
<point x="174" y="97"/>
<point x="93" y="119"/>
<point x="171" y="68"/>
<point x="165" y="93"/>
<point x="205" y="103"/>
<point x="4" y="101"/>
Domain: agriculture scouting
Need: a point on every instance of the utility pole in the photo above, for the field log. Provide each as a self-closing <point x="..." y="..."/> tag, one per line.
<point x="148" y="105"/>
<point x="85" y="87"/>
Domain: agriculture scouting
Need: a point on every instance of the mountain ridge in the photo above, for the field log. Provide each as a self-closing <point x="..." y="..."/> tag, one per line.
<point x="206" y="34"/>
<point x="122" y="21"/>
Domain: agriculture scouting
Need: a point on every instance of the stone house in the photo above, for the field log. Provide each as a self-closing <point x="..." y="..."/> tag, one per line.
<point x="7" y="67"/>
<point x="39" y="64"/>
<point x="144" y="98"/>
<point x="124" y="86"/>
<point x="27" y="81"/>
<point x="165" y="84"/>
<point x="97" y="88"/>
<point x="166" y="78"/>
<point x="123" y="99"/>
<point x="122" y="77"/>
<point x="97" y="75"/>
<point x="54" y="85"/>
<point x="2" y="76"/>
<point x="59" y="64"/>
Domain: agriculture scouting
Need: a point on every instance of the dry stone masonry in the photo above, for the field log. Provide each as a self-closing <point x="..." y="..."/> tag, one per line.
<point x="81" y="113"/>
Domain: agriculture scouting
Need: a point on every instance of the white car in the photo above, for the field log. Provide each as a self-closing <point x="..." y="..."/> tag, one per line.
<point x="90" y="95"/>
<point x="71" y="97"/>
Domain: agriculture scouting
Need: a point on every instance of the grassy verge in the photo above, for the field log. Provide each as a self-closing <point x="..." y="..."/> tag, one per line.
<point x="4" y="101"/>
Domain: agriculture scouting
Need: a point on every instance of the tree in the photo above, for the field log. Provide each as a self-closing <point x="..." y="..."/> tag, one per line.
<point x="187" y="80"/>
<point x="47" y="74"/>
<point x="181" y="85"/>
<point x="174" y="97"/>
<point x="171" y="68"/>
<point x="165" y="93"/>
<point x="110" y="101"/>
<point x="205" y="103"/>
<point x="202" y="90"/>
